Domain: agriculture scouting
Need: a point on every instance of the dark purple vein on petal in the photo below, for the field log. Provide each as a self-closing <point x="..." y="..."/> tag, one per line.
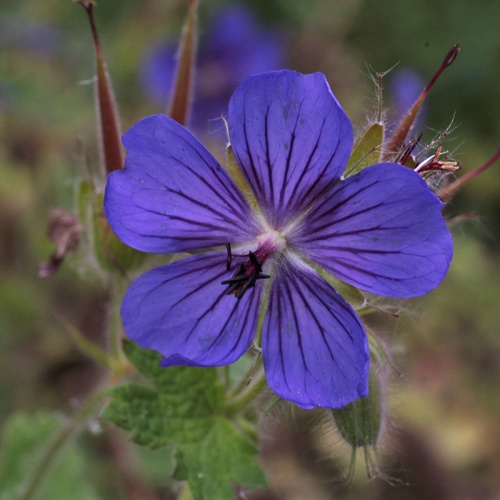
<point x="335" y="321"/>
<point x="224" y="180"/>
<point x="209" y="310"/>
<point x="332" y="223"/>
<point x="195" y="201"/>
<point x="320" y="212"/>
<point x="278" y="298"/>
<point x="255" y="181"/>
<point x="270" y="204"/>
<point x="211" y="187"/>
<point x="356" y="251"/>
<point x="304" y="170"/>
<point x="198" y="289"/>
<point x="296" y="322"/>
<point x="212" y="166"/>
<point x="194" y="271"/>
<point x="289" y="158"/>
<point x="249" y="311"/>
<point x="206" y="207"/>
<point x="308" y="307"/>
<point x="348" y="278"/>
<point x="312" y="186"/>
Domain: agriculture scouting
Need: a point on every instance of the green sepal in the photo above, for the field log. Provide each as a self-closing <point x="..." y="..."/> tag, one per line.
<point x="362" y="422"/>
<point x="184" y="408"/>
<point x="367" y="150"/>
<point x="84" y="197"/>
<point x="111" y="253"/>
<point x="359" y="422"/>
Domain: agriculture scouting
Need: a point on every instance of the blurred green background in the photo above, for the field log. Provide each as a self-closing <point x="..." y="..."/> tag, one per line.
<point x="443" y="433"/>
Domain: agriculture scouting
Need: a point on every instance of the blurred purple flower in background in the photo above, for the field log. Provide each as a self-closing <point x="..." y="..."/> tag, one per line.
<point x="41" y="39"/>
<point x="235" y="46"/>
<point x="22" y="37"/>
<point x="380" y="230"/>
<point x="405" y="87"/>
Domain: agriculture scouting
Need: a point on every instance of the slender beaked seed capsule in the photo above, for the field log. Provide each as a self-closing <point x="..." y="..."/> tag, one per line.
<point x="394" y="144"/>
<point x="110" y="252"/>
<point x="180" y="102"/>
<point x="107" y="112"/>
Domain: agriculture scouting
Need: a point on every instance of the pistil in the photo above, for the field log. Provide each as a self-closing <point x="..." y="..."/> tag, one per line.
<point x="250" y="272"/>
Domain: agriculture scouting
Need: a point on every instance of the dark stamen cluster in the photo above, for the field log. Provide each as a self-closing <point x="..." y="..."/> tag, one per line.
<point x="245" y="277"/>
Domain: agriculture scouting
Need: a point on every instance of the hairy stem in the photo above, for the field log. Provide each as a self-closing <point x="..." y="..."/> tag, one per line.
<point x="252" y="390"/>
<point x="116" y="354"/>
<point x="57" y="445"/>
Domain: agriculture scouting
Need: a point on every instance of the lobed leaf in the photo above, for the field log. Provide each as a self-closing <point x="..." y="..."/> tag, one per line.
<point x="184" y="409"/>
<point x="224" y="458"/>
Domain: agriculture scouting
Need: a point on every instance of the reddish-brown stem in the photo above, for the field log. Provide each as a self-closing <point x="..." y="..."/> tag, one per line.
<point x="446" y="193"/>
<point x="395" y="143"/>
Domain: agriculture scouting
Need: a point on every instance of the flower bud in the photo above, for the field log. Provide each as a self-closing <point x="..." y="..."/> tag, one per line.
<point x="63" y="229"/>
<point x="359" y="422"/>
<point x="110" y="252"/>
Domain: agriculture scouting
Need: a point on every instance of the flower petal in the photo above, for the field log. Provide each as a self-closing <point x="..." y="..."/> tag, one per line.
<point x="181" y="310"/>
<point x="314" y="346"/>
<point x="382" y="231"/>
<point x="173" y="196"/>
<point x="291" y="138"/>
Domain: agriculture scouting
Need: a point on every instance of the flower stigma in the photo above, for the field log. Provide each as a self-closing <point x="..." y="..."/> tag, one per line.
<point x="249" y="272"/>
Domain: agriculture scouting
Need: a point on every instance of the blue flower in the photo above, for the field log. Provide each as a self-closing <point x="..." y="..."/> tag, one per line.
<point x="235" y="47"/>
<point x="406" y="85"/>
<point x="380" y="230"/>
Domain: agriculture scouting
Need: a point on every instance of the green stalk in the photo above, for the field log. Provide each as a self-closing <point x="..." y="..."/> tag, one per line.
<point x="116" y="354"/>
<point x="237" y="405"/>
<point x="56" y="446"/>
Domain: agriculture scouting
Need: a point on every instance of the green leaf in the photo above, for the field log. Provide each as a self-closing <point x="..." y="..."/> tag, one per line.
<point x="184" y="408"/>
<point x="206" y="394"/>
<point x="157" y="466"/>
<point x="23" y="442"/>
<point x="222" y="459"/>
<point x="367" y="149"/>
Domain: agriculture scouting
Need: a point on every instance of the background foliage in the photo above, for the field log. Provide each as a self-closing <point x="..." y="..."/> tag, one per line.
<point x="444" y="436"/>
